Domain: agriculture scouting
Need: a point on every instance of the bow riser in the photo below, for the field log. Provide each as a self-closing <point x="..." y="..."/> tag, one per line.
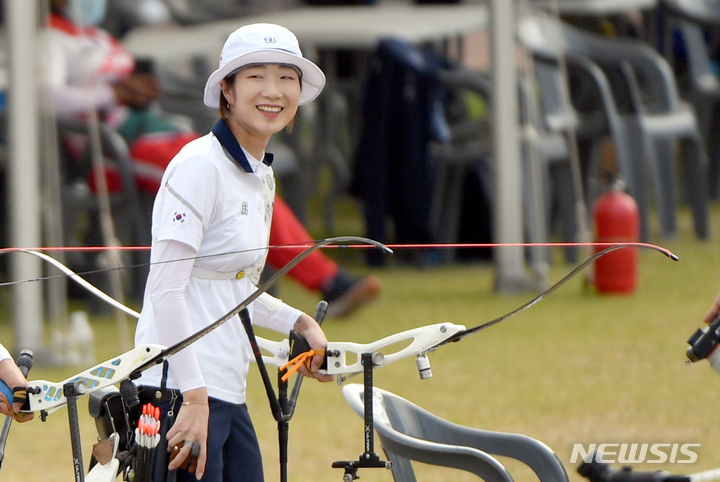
<point x="419" y="340"/>
<point x="48" y="396"/>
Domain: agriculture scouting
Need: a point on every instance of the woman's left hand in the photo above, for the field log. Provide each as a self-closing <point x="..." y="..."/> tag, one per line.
<point x="309" y="329"/>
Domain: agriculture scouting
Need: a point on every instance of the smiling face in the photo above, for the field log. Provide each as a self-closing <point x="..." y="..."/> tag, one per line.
<point x="263" y="100"/>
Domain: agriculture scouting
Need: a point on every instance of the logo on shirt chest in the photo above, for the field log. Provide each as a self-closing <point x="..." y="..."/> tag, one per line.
<point x="244" y="208"/>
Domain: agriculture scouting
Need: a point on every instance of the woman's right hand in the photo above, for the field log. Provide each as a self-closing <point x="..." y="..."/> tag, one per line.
<point x="713" y="311"/>
<point x="191" y="425"/>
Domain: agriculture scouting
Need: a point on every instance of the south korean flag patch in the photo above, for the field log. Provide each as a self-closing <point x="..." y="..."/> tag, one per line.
<point x="179" y="217"/>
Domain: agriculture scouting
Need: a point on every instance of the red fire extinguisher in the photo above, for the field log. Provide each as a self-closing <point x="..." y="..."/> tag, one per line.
<point x="616" y="219"/>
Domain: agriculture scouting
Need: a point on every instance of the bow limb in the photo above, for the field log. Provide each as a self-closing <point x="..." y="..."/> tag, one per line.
<point x="544" y="294"/>
<point x="171" y="350"/>
<point x="82" y="282"/>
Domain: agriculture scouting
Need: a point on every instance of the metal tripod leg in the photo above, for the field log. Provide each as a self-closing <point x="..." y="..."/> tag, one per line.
<point x="368" y="459"/>
<point x="72" y="390"/>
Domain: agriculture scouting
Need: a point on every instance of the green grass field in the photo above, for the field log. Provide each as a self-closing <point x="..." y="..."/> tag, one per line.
<point x="575" y="368"/>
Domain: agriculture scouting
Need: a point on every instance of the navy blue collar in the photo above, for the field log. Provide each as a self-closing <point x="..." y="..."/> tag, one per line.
<point x="229" y="142"/>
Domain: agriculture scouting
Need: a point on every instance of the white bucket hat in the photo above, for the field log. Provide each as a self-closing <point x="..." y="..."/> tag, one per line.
<point x="268" y="44"/>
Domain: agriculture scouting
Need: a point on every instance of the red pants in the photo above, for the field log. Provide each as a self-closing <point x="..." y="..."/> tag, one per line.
<point x="286" y="228"/>
<point x="152" y="156"/>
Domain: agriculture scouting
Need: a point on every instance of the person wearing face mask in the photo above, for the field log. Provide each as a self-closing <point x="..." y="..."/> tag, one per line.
<point x="86" y="67"/>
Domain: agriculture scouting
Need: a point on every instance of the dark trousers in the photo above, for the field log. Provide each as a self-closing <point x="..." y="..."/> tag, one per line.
<point x="233" y="452"/>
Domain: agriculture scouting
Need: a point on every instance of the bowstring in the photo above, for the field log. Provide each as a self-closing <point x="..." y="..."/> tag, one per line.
<point x="130" y="266"/>
<point x="306" y="244"/>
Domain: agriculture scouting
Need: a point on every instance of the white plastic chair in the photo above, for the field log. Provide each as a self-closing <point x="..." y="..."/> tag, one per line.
<point x="78" y="199"/>
<point x="690" y="19"/>
<point x="407" y="432"/>
<point x="646" y="123"/>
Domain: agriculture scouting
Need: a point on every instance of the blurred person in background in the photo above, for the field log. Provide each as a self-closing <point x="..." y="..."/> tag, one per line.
<point x="87" y="68"/>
